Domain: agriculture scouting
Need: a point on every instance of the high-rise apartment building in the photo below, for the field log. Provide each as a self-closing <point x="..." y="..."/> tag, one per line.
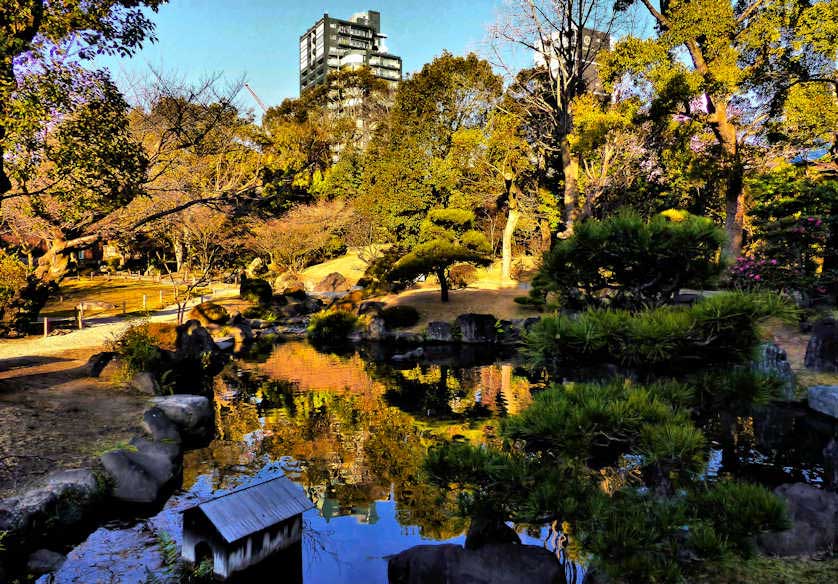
<point x="557" y="47"/>
<point x="333" y="44"/>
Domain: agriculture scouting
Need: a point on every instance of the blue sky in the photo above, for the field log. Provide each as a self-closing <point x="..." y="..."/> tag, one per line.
<point x="259" y="38"/>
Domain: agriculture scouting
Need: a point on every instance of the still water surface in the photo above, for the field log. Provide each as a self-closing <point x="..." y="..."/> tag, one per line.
<point x="353" y="429"/>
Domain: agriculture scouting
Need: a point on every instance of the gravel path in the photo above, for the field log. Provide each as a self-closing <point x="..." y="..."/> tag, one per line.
<point x="96" y="334"/>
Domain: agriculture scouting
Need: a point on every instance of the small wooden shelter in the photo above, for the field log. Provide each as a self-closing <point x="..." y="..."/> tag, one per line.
<point x="245" y="526"/>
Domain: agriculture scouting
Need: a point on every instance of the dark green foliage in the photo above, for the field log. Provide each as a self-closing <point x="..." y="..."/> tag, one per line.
<point x="719" y="329"/>
<point x="400" y="316"/>
<point x="255" y="290"/>
<point x="377" y="277"/>
<point x="740" y="511"/>
<point x="795" y="226"/>
<point x="260" y="312"/>
<point x="734" y="389"/>
<point x="331" y="328"/>
<point x="588" y="419"/>
<point x="636" y="537"/>
<point x="626" y="262"/>
<point x="447" y="238"/>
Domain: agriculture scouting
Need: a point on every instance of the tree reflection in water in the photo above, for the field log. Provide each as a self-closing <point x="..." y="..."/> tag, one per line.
<point x="354" y="432"/>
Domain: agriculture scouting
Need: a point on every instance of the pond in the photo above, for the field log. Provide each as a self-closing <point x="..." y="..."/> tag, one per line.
<point x="353" y="430"/>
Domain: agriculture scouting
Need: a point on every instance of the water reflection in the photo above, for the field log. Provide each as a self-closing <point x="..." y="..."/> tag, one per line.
<point x="354" y="434"/>
<point x="353" y="430"/>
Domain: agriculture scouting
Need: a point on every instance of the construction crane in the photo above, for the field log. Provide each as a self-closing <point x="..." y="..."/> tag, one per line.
<point x="256" y="97"/>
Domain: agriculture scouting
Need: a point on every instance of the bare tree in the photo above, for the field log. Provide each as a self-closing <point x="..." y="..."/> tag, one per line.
<point x="294" y="240"/>
<point x="563" y="37"/>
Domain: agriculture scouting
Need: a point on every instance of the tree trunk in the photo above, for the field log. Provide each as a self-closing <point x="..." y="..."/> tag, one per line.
<point x="512" y="218"/>
<point x="28" y="301"/>
<point x="7" y="80"/>
<point x="735" y="190"/>
<point x="546" y="235"/>
<point x="508" y="232"/>
<point x="443" y="285"/>
<point x="570" y="169"/>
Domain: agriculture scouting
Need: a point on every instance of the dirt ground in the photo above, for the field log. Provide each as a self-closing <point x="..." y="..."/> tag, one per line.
<point x="53" y="416"/>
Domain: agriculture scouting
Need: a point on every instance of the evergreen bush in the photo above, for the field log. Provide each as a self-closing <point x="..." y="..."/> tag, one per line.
<point x="331" y="328"/>
<point x="627" y="262"/>
<point x="255" y="290"/>
<point x="400" y="316"/>
<point x="719" y="329"/>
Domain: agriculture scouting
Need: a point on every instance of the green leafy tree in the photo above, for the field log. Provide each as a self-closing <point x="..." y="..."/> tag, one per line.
<point x="30" y="28"/>
<point x="424" y="155"/>
<point x="740" y="56"/>
<point x="65" y="157"/>
<point x="447" y="238"/>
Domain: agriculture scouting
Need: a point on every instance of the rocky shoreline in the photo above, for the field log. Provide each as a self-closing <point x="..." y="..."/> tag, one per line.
<point x="63" y="505"/>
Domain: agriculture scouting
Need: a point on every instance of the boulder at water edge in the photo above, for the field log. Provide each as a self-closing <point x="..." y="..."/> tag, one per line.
<point x="772" y="360"/>
<point x="141" y="473"/>
<point x="439" y="332"/>
<point x="44" y="562"/>
<point x="61" y="500"/>
<point x="824" y="399"/>
<point x="192" y="414"/>
<point x="814" y="516"/>
<point x="822" y="350"/>
<point x="491" y="564"/>
<point x="477" y="328"/>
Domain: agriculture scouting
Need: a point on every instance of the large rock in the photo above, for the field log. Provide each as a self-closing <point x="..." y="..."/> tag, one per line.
<point x="822" y="350"/>
<point x="160" y="427"/>
<point x="98" y="362"/>
<point x="63" y="500"/>
<point x="141" y="474"/>
<point x="824" y="399"/>
<point x="44" y="562"/>
<point x="491" y="564"/>
<point x="209" y="313"/>
<point x="484" y="531"/>
<point x="376" y="329"/>
<point x="772" y="360"/>
<point x="334" y="282"/>
<point x="814" y="516"/>
<point x="145" y="382"/>
<point x="439" y="332"/>
<point x="241" y="331"/>
<point x="477" y="328"/>
<point x="192" y="414"/>
<point x="193" y="341"/>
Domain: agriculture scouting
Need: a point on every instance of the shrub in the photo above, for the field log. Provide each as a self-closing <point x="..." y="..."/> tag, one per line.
<point x="137" y="349"/>
<point x="377" y="278"/>
<point x="329" y="328"/>
<point x="209" y="313"/>
<point x="582" y="419"/>
<point x="626" y="262"/>
<point x="400" y="316"/>
<point x="461" y="275"/>
<point x="447" y="238"/>
<point x="719" y="329"/>
<point x="740" y="511"/>
<point x="255" y="290"/>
